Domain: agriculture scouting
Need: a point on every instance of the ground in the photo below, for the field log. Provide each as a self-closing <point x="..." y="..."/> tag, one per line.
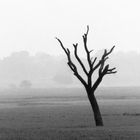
<point x="68" y="118"/>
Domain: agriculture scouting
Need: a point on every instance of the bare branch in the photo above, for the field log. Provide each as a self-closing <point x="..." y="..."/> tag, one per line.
<point x="94" y="61"/>
<point x="61" y="44"/>
<point x="111" y="50"/>
<point x="78" y="59"/>
<point x="103" y="70"/>
<point x="90" y="51"/>
<point x="81" y="79"/>
<point x="86" y="49"/>
<point x="111" y="71"/>
<point x="103" y="59"/>
<point x="71" y="64"/>
<point x="97" y="82"/>
<point x="107" y="53"/>
<point x="87" y="29"/>
<point x="106" y="70"/>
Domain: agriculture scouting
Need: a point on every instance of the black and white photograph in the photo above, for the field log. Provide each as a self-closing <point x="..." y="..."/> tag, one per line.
<point x="69" y="70"/>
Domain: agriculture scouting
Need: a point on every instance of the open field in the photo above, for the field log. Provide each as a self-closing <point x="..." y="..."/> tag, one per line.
<point x="43" y="116"/>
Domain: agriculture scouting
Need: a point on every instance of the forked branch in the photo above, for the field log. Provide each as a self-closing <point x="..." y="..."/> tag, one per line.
<point x="103" y="69"/>
<point x="78" y="59"/>
<point x="71" y="64"/>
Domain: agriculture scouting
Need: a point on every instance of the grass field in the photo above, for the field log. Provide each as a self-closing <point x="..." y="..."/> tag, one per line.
<point x="34" y="115"/>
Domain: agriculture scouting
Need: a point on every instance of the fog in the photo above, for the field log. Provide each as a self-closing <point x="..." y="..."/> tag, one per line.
<point x="45" y="71"/>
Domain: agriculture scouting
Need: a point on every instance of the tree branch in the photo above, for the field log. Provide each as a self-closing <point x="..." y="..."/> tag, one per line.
<point x="78" y="59"/>
<point x="61" y="44"/>
<point x="96" y="84"/>
<point x="103" y="70"/>
<point x="103" y="59"/>
<point x="86" y="49"/>
<point x="71" y="64"/>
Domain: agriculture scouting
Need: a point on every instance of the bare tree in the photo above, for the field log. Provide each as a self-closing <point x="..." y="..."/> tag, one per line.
<point x="94" y="65"/>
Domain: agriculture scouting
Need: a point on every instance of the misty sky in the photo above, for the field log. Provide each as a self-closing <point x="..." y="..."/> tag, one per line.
<point x="32" y="25"/>
<point x="41" y="70"/>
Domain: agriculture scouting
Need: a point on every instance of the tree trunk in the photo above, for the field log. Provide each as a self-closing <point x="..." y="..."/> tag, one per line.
<point x="96" y="110"/>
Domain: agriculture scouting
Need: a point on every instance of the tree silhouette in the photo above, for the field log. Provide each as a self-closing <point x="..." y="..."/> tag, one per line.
<point x="94" y="65"/>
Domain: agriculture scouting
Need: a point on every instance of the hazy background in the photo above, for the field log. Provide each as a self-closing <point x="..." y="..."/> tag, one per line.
<point x="44" y="70"/>
<point x="29" y="51"/>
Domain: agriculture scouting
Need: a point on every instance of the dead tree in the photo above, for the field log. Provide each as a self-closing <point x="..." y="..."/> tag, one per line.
<point x="102" y="68"/>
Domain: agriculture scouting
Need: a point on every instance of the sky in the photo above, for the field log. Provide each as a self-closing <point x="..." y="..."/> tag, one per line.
<point x="32" y="25"/>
